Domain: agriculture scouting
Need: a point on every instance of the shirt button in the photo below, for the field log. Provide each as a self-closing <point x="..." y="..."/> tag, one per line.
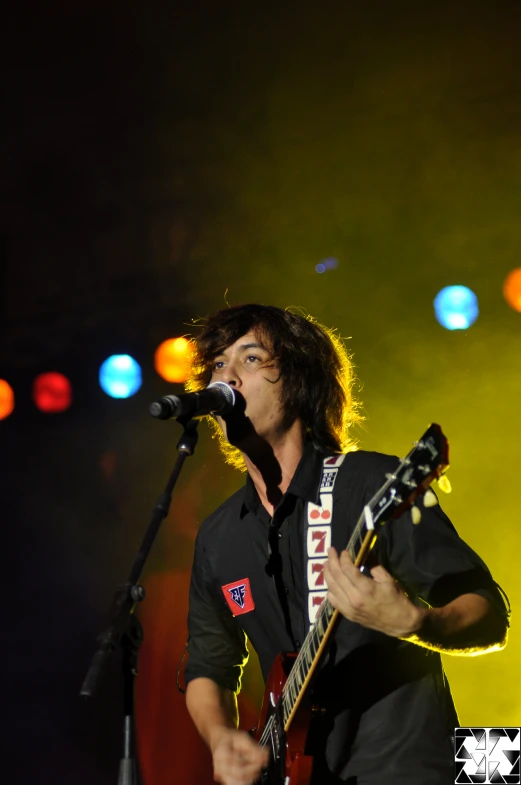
<point x="297" y="644"/>
<point x="280" y="535"/>
<point x="286" y="589"/>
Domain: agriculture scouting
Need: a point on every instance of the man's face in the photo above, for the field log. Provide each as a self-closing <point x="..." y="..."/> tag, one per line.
<point x="247" y="367"/>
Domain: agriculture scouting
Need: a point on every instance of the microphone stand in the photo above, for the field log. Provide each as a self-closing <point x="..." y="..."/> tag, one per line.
<point x="124" y="629"/>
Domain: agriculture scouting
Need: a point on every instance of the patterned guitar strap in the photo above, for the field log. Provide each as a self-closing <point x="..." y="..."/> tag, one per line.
<point x="317" y="535"/>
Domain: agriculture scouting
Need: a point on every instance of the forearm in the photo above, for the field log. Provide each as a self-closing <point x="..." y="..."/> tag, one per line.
<point x="212" y="708"/>
<point x="468" y="625"/>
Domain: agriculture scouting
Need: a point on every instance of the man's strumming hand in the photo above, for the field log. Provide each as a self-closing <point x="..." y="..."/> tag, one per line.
<point x="237" y="759"/>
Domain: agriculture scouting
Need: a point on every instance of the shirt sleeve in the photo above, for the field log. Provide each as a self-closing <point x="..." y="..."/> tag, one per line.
<point x="216" y="643"/>
<point x="430" y="559"/>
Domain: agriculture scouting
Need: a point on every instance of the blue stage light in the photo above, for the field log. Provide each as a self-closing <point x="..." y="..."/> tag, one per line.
<point x="120" y="376"/>
<point x="326" y="264"/>
<point x="456" y="307"/>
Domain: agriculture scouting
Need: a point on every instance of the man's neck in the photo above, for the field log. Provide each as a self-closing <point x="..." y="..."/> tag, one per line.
<point x="272" y="467"/>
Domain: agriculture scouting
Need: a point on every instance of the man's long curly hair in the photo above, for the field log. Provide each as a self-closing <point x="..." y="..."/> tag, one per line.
<point x="316" y="370"/>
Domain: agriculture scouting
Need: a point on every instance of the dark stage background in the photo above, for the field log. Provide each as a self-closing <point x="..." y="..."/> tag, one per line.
<point x="159" y="155"/>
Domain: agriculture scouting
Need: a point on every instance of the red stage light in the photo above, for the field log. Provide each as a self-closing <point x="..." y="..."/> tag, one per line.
<point x="52" y="392"/>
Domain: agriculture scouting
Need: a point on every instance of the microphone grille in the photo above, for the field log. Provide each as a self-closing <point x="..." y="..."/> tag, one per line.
<point x="228" y="392"/>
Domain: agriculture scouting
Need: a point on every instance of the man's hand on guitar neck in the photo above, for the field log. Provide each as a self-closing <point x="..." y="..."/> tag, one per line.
<point x="467" y="625"/>
<point x="378" y="604"/>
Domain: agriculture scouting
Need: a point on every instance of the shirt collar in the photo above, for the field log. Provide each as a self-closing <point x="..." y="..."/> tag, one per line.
<point x="305" y="483"/>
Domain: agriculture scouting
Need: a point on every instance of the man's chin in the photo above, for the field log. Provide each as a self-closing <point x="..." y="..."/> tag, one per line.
<point x="241" y="436"/>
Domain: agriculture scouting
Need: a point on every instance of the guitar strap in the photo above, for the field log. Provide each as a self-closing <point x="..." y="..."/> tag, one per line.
<point x="317" y="535"/>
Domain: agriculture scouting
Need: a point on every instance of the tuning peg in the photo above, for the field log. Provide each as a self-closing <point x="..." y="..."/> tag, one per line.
<point x="429" y="498"/>
<point x="416" y="515"/>
<point x="444" y="484"/>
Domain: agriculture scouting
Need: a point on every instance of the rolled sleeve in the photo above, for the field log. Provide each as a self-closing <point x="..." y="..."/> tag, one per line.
<point x="216" y="643"/>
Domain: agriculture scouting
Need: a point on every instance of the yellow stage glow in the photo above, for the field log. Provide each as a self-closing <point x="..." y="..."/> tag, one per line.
<point x="6" y="399"/>
<point x="512" y="289"/>
<point x="172" y="359"/>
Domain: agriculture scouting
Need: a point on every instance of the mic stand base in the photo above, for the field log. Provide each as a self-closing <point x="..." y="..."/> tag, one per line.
<point x="130" y="642"/>
<point x="127" y="772"/>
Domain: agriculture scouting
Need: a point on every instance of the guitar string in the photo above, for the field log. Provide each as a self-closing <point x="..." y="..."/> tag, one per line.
<point x="266" y="732"/>
<point x="272" y="738"/>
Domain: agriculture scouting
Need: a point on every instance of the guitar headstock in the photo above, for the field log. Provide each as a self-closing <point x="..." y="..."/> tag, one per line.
<point x="427" y="460"/>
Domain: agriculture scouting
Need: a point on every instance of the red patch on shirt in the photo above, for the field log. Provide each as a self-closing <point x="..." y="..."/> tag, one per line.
<point x="238" y="596"/>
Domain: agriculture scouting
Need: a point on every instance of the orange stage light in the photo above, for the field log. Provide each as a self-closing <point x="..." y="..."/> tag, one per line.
<point x="6" y="399"/>
<point x="172" y="359"/>
<point x="512" y="289"/>
<point x="52" y="392"/>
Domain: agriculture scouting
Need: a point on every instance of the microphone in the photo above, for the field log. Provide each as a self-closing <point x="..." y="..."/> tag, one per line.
<point x="218" y="398"/>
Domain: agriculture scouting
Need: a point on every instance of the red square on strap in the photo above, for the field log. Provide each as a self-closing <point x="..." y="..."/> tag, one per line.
<point x="238" y="596"/>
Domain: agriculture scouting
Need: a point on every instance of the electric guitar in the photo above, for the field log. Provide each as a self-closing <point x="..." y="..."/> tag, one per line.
<point x="285" y="716"/>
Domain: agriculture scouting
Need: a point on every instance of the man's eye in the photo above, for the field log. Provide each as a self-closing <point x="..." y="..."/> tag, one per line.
<point x="218" y="364"/>
<point x="252" y="357"/>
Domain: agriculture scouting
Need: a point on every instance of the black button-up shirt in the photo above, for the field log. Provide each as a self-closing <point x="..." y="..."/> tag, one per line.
<point x="388" y="704"/>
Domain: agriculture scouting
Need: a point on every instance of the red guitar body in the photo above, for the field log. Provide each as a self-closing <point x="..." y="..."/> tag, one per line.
<point x="294" y="766"/>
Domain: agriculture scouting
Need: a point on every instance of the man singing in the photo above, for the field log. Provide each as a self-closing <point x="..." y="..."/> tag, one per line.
<point x="389" y="714"/>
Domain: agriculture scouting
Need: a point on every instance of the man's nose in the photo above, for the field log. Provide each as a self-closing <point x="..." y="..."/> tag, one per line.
<point x="231" y="375"/>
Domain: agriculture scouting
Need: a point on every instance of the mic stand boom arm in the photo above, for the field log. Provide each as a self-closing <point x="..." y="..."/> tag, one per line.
<point x="124" y="629"/>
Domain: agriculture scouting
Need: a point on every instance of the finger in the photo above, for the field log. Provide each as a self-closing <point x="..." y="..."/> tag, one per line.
<point x="332" y="599"/>
<point x="348" y="569"/>
<point x="336" y="579"/>
<point x="235" y="772"/>
<point x="251" y="752"/>
<point x="334" y="583"/>
<point x="226" y="778"/>
<point x="247" y="752"/>
<point x="234" y="755"/>
<point x="342" y="604"/>
<point x="346" y="562"/>
<point x="326" y="573"/>
<point x="243" y="743"/>
<point x="332" y="556"/>
<point x="381" y="575"/>
<point x="239" y="760"/>
<point x="336" y="562"/>
<point x="244" y="775"/>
